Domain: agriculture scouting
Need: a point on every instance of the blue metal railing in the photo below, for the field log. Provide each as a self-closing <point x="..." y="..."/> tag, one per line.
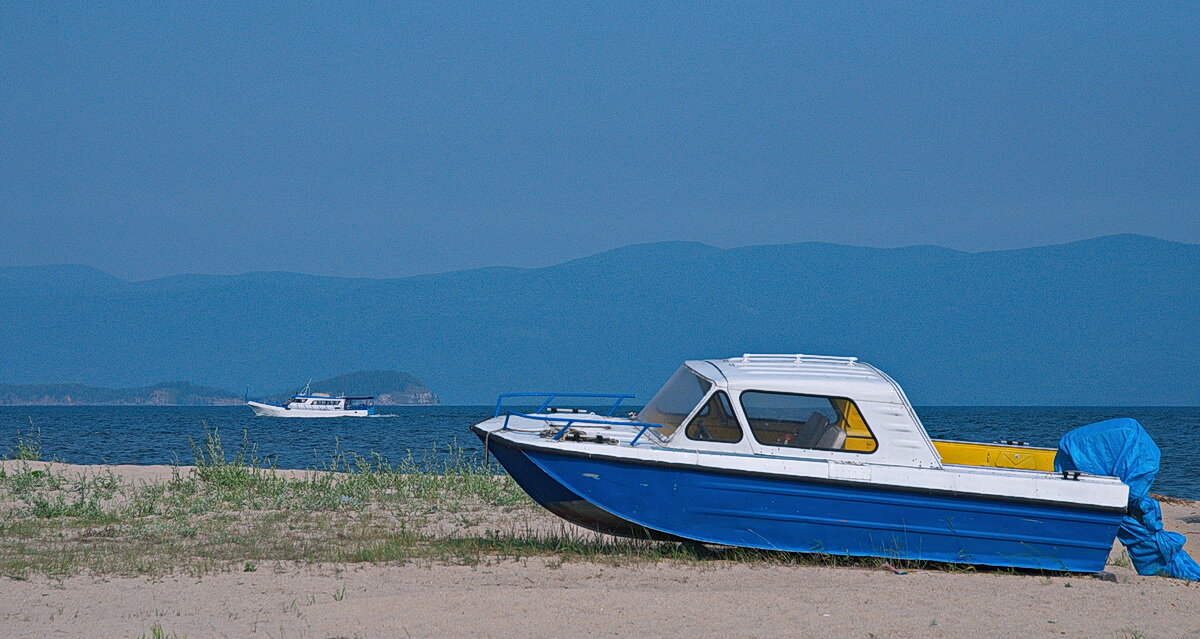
<point x="562" y="417"/>
<point x="550" y="397"/>
<point x="571" y="421"/>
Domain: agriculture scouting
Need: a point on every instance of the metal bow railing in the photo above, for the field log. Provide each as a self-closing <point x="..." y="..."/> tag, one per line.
<point x="550" y="397"/>
<point x="553" y="420"/>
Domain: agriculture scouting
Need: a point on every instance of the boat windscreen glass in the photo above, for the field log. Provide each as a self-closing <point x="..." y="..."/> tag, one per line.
<point x="675" y="401"/>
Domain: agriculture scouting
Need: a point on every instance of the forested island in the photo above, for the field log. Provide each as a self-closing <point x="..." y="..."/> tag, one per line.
<point x="390" y="388"/>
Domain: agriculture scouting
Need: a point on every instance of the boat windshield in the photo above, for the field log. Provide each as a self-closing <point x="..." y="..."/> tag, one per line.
<point x="675" y="401"/>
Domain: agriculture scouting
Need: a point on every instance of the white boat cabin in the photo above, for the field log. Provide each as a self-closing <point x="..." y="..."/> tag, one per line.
<point x="810" y="406"/>
<point x="790" y="406"/>
<point x="324" y="401"/>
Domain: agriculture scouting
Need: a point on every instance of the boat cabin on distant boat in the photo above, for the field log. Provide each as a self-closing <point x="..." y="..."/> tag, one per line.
<point x="323" y="401"/>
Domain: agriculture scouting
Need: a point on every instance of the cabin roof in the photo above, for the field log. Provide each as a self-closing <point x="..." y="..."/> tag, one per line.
<point x="805" y="374"/>
<point x="902" y="439"/>
<point x="328" y="396"/>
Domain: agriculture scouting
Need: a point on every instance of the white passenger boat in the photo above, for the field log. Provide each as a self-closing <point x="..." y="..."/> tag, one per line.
<point x="803" y="453"/>
<point x="317" y="405"/>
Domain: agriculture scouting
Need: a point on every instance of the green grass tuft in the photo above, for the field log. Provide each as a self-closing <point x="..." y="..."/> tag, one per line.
<point x="28" y="446"/>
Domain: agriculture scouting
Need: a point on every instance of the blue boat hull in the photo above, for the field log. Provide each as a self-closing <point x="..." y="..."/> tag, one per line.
<point x="561" y="501"/>
<point x="806" y="515"/>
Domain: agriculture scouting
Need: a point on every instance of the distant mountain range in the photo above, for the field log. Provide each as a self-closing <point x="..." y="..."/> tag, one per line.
<point x="1100" y="322"/>
<point x="390" y="388"/>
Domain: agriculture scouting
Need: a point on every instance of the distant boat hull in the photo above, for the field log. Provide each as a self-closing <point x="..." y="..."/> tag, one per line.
<point x="271" y="410"/>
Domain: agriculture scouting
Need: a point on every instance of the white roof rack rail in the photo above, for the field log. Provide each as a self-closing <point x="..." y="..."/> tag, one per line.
<point x="797" y="358"/>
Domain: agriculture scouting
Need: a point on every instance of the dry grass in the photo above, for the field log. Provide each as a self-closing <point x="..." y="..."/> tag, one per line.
<point x="235" y="512"/>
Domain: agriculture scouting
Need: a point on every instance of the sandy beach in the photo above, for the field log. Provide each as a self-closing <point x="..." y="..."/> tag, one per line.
<point x="547" y="595"/>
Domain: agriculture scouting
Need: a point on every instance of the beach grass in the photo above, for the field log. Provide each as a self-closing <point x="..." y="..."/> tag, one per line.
<point x="234" y="510"/>
<point x="28" y="445"/>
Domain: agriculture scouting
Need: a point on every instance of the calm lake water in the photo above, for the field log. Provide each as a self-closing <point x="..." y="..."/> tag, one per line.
<point x="163" y="435"/>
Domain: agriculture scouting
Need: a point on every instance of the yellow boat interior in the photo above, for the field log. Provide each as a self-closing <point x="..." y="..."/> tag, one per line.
<point x="995" y="455"/>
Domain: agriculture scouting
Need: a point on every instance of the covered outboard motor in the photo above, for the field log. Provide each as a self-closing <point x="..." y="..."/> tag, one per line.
<point x="1122" y="448"/>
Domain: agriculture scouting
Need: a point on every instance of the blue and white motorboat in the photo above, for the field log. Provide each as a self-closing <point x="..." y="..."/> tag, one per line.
<point x="802" y="453"/>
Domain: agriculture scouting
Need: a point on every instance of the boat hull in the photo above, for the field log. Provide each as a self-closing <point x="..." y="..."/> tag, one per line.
<point x="560" y="500"/>
<point x="270" y="410"/>
<point x="808" y="515"/>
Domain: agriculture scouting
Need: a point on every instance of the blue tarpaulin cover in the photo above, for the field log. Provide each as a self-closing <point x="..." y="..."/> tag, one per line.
<point x="1122" y="448"/>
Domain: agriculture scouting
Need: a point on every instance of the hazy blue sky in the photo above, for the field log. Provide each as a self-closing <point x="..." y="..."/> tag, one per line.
<point x="384" y="140"/>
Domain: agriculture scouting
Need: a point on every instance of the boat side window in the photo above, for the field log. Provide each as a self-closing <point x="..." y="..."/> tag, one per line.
<point x="807" y="421"/>
<point x="675" y="401"/>
<point x="715" y="422"/>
